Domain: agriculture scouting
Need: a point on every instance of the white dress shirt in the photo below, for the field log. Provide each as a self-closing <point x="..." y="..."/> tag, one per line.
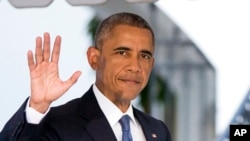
<point x="33" y="116"/>
<point x="113" y="115"/>
<point x="110" y="110"/>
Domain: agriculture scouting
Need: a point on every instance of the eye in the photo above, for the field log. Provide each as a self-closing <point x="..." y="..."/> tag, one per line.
<point x="121" y="52"/>
<point x="145" y="56"/>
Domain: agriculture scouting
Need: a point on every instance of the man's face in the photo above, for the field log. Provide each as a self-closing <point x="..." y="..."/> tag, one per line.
<point x="124" y="63"/>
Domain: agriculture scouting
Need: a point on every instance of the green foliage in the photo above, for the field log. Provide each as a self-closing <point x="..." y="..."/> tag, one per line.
<point x="92" y="26"/>
<point x="161" y="89"/>
<point x="162" y="92"/>
<point x="144" y="99"/>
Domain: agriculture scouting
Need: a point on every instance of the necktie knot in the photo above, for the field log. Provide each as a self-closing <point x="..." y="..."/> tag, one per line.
<point x="124" y="121"/>
<point x="126" y="135"/>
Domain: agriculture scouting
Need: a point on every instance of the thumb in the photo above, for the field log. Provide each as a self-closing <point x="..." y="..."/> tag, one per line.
<point x="73" y="79"/>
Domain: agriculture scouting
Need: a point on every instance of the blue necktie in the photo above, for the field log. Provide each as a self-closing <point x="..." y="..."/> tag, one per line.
<point x="126" y="135"/>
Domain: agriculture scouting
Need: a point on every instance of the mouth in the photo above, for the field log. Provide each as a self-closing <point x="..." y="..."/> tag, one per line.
<point x="130" y="81"/>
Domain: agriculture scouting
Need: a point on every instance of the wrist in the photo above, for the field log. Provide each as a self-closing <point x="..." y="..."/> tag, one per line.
<point x="40" y="107"/>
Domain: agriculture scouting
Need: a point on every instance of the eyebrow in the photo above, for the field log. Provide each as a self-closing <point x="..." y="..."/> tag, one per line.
<point x="122" y="48"/>
<point x="147" y="52"/>
<point x="128" y="49"/>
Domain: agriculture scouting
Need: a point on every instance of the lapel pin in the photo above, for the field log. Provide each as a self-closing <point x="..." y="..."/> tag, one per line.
<point x="154" y="135"/>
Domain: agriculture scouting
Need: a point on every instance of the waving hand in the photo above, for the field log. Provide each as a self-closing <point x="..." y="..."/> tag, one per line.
<point x="46" y="85"/>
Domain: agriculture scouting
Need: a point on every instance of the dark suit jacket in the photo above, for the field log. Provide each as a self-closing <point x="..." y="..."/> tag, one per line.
<point x="78" y="120"/>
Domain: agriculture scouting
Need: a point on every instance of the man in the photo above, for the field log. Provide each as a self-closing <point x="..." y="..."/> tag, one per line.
<point x="123" y="59"/>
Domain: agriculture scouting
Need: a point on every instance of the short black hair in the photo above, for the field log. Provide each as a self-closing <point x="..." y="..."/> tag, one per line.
<point x="123" y="18"/>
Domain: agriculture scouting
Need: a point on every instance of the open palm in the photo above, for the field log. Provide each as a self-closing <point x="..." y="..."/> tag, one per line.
<point x="46" y="85"/>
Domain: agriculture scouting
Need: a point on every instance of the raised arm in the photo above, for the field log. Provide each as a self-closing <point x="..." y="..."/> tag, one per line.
<point x="46" y="85"/>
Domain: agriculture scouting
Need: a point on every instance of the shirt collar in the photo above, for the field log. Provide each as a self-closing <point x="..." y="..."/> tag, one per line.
<point x="114" y="115"/>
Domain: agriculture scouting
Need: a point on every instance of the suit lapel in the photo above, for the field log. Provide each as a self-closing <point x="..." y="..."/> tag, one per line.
<point x="97" y="125"/>
<point x="100" y="130"/>
<point x="148" y="129"/>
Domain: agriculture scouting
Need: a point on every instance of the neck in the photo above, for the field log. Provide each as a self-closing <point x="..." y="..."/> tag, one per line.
<point x="123" y="106"/>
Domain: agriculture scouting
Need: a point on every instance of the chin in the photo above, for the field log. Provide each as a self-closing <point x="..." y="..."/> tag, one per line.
<point x="131" y="97"/>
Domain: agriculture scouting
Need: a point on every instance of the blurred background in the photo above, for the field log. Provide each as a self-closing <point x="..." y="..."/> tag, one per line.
<point x="200" y="82"/>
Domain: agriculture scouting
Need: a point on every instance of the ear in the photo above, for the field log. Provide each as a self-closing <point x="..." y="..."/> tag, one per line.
<point x="93" y="54"/>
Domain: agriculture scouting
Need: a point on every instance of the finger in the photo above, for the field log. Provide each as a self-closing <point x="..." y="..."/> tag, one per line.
<point x="38" y="51"/>
<point x="56" y="50"/>
<point x="46" y="47"/>
<point x="31" y="62"/>
<point x="73" y="79"/>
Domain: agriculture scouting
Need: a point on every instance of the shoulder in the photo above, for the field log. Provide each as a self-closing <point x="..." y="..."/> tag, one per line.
<point x="145" y="117"/>
<point x="153" y="125"/>
<point x="67" y="108"/>
<point x="73" y="106"/>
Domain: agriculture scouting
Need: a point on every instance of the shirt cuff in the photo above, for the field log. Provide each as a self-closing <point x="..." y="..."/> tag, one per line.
<point x="33" y="116"/>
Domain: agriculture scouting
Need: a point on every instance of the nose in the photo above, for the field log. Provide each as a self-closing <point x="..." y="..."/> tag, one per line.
<point x="134" y="65"/>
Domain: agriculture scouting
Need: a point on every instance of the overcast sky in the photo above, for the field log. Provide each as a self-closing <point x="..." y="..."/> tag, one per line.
<point x="219" y="27"/>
